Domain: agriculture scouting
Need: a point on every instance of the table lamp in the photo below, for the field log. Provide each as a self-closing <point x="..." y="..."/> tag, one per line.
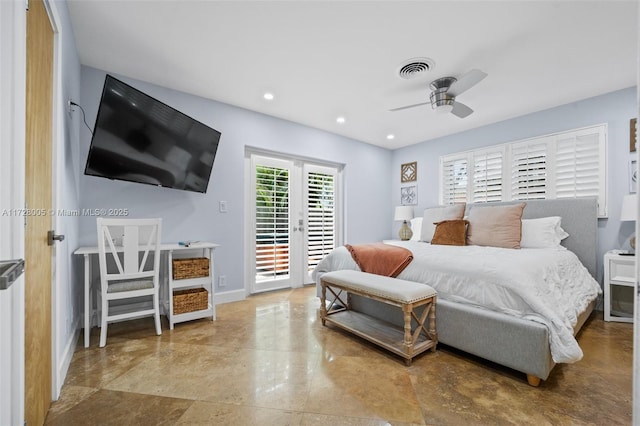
<point x="404" y="213"/>
<point x="630" y="213"/>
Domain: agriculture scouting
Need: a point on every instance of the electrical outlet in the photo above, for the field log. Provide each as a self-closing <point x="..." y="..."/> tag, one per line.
<point x="222" y="281"/>
<point x="69" y="110"/>
<point x="223" y="206"/>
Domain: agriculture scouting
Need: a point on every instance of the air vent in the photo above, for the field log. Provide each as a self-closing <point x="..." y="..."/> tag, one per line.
<point x="415" y="67"/>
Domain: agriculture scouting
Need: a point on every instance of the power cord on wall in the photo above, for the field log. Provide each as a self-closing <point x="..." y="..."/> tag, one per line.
<point x="71" y="103"/>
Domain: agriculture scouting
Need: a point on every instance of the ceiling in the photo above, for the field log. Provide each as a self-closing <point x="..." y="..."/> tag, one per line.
<point x="325" y="59"/>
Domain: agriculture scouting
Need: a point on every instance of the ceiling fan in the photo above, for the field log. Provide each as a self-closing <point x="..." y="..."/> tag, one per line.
<point x="445" y="90"/>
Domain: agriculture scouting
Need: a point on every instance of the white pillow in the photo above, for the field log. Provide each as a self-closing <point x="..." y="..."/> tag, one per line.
<point x="434" y="215"/>
<point x="544" y="232"/>
<point x="416" y="227"/>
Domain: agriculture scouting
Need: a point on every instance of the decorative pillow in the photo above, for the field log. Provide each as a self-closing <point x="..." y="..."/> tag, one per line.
<point x="438" y="214"/>
<point x="495" y="226"/>
<point x="450" y="233"/>
<point x="416" y="227"/>
<point x="544" y="232"/>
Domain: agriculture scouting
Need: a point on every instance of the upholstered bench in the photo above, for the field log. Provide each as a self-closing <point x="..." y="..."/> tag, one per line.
<point x="406" y="342"/>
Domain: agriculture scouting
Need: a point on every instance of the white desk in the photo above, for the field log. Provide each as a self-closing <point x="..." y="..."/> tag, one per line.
<point x="169" y="249"/>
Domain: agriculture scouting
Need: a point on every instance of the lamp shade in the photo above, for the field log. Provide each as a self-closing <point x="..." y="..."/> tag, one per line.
<point x="403" y="213"/>
<point x="629" y="208"/>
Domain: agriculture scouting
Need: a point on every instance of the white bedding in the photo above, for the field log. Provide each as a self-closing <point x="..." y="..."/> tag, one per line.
<point x="549" y="286"/>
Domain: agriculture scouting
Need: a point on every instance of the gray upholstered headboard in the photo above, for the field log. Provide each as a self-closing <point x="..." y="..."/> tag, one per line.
<point x="579" y="219"/>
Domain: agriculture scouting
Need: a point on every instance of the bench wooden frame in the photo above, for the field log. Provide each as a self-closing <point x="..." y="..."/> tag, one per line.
<point x="406" y="342"/>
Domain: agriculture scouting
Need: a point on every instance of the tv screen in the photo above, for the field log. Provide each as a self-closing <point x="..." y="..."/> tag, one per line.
<point x="140" y="139"/>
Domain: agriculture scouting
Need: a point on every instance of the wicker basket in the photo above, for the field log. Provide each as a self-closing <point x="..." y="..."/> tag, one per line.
<point x="190" y="300"/>
<point x="190" y="268"/>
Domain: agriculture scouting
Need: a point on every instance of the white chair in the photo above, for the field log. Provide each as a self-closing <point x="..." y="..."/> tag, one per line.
<point x="127" y="244"/>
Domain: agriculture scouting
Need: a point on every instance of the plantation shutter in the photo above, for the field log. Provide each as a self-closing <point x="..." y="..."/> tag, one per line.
<point x="563" y="165"/>
<point x="529" y="170"/>
<point x="487" y="176"/>
<point x="272" y="222"/>
<point x="578" y="165"/>
<point x="454" y="176"/>
<point x="321" y="215"/>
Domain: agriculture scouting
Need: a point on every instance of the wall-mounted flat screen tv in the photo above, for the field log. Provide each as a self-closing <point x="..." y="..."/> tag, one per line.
<point x="140" y="139"/>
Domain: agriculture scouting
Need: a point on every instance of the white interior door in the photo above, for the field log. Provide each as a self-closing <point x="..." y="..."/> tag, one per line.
<point x="294" y="220"/>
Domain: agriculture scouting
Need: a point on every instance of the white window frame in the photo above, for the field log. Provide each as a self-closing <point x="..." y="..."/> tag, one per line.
<point x="550" y="140"/>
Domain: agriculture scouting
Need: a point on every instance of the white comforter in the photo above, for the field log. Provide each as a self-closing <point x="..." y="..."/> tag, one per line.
<point x="549" y="286"/>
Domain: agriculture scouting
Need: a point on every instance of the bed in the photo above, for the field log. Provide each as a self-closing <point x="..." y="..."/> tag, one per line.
<point x="526" y="342"/>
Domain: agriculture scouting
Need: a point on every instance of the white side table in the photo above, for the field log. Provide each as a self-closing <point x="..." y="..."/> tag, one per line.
<point x="619" y="271"/>
<point x="203" y="250"/>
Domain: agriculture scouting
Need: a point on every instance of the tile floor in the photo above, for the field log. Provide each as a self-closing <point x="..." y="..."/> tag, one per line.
<point x="268" y="361"/>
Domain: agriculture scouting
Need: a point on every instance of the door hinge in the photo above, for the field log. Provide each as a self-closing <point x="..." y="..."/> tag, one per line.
<point x="26" y="5"/>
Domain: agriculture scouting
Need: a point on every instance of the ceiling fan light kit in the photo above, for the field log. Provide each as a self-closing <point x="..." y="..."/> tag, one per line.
<point x="445" y="90"/>
<point x="440" y="99"/>
<point x="443" y="109"/>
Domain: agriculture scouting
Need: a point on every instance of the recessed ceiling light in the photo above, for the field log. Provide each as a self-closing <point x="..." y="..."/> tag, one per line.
<point x="268" y="96"/>
<point x="391" y="136"/>
<point x="340" y="120"/>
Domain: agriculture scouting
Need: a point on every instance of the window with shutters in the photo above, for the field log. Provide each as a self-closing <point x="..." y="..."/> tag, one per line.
<point x="272" y="222"/>
<point x="578" y="165"/>
<point x="454" y="179"/>
<point x="321" y="217"/>
<point x="529" y="170"/>
<point x="487" y="176"/>
<point x="563" y="165"/>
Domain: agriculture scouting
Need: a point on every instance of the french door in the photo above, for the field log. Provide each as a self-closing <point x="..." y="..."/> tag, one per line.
<point x="294" y="220"/>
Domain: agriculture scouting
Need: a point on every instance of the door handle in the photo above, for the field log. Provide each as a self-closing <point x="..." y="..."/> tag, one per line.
<point x="52" y="237"/>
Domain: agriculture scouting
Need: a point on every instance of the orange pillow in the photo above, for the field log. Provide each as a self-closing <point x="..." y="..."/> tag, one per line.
<point x="450" y="233"/>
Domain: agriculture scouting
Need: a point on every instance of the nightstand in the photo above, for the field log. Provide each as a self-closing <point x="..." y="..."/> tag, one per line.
<point x="619" y="284"/>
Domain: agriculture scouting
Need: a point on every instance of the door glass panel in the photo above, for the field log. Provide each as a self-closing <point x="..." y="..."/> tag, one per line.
<point x="272" y="223"/>
<point x="321" y="217"/>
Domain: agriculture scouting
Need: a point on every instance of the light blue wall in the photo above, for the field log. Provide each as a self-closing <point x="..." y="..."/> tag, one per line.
<point x="192" y="216"/>
<point x="615" y="109"/>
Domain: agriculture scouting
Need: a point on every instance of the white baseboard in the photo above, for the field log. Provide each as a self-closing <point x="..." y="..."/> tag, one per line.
<point x="229" y="296"/>
<point x="65" y="361"/>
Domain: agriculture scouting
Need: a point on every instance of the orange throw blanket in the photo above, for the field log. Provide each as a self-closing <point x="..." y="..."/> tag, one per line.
<point x="380" y="258"/>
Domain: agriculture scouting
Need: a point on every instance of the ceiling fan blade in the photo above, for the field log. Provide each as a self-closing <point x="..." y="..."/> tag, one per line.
<point x="461" y="110"/>
<point x="409" y="106"/>
<point x="466" y="82"/>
